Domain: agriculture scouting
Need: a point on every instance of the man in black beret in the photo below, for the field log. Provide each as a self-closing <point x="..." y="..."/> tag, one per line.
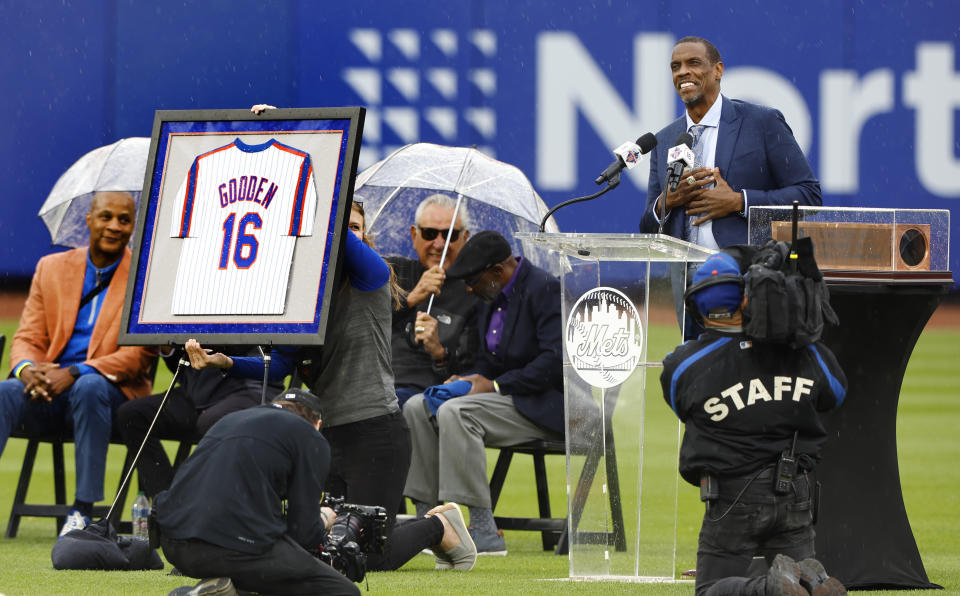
<point x="514" y="395"/>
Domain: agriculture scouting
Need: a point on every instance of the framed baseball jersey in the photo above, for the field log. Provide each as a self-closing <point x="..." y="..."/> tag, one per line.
<point x="239" y="240"/>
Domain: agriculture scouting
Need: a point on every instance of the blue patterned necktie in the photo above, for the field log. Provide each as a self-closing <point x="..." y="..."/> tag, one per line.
<point x="696" y="131"/>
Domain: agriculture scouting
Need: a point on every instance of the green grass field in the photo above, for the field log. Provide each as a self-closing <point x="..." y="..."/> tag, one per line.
<point x="928" y="442"/>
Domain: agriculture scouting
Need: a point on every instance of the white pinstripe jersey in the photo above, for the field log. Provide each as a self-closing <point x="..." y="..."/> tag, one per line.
<point x="239" y="211"/>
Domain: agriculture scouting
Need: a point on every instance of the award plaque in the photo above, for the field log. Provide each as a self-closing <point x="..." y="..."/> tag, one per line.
<point x="864" y="246"/>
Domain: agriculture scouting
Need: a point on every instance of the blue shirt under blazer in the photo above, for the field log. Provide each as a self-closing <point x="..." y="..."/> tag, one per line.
<point x="756" y="151"/>
<point x="527" y="365"/>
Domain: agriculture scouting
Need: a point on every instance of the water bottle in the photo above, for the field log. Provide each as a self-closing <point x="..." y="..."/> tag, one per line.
<point x="141" y="513"/>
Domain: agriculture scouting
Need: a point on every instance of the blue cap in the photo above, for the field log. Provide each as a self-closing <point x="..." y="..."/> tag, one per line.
<point x="720" y="295"/>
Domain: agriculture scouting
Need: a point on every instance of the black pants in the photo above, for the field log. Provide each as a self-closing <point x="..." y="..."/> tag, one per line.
<point x="179" y="417"/>
<point x="284" y="569"/>
<point x="759" y="523"/>
<point x="369" y="460"/>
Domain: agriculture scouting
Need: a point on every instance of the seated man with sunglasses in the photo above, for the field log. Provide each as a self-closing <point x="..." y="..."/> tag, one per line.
<point x="428" y="348"/>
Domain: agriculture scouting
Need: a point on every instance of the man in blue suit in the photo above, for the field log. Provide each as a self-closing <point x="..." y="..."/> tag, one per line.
<point x="747" y="157"/>
<point x="514" y="395"/>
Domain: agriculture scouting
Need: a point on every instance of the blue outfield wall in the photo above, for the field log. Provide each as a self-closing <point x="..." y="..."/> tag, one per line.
<point x="871" y="89"/>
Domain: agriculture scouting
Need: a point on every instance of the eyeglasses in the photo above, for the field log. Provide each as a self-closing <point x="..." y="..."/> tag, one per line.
<point x="430" y="234"/>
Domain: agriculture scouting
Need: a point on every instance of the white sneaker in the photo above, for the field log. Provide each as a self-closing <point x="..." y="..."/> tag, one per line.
<point x="75" y="521"/>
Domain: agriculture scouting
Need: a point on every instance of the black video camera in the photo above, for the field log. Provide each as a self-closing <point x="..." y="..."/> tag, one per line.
<point x="357" y="531"/>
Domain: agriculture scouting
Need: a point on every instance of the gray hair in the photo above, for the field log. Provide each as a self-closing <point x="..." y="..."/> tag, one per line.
<point x="446" y="202"/>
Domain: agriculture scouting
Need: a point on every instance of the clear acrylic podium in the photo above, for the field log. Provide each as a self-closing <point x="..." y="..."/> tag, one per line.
<point x="620" y="305"/>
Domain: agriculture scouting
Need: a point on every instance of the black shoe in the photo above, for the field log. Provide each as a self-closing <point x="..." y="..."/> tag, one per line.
<point x="783" y="578"/>
<point x="815" y="579"/>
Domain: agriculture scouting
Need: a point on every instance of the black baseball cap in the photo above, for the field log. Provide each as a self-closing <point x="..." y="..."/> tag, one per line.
<point x="481" y="252"/>
<point x="301" y="396"/>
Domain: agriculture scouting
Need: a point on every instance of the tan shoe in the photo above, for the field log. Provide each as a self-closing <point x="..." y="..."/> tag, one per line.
<point x="462" y="556"/>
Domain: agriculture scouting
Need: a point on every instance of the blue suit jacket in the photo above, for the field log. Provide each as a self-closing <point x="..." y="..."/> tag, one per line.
<point x="527" y="365"/>
<point x="756" y="151"/>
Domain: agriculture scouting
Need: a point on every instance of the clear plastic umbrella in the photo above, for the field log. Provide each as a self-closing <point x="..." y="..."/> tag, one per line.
<point x="495" y="195"/>
<point x="120" y="167"/>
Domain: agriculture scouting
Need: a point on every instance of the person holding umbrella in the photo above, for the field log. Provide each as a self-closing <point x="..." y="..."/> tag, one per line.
<point x="353" y="377"/>
<point x="433" y="329"/>
<point x="68" y="369"/>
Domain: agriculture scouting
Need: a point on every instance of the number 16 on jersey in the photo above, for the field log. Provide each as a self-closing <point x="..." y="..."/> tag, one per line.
<point x="246" y="242"/>
<point x="239" y="211"/>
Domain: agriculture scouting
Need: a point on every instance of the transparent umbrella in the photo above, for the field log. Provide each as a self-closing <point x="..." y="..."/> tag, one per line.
<point x="496" y="196"/>
<point x="119" y="166"/>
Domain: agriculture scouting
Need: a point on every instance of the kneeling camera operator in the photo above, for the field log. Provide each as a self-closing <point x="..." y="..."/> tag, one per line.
<point x="244" y="510"/>
<point x="752" y="437"/>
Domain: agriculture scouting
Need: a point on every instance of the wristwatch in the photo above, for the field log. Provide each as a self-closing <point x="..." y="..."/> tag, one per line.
<point x="74" y="371"/>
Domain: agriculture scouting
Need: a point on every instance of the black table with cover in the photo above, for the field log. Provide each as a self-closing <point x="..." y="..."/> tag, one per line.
<point x="863" y="534"/>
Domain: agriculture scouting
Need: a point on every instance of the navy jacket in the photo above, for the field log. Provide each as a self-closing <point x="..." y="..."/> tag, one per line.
<point x="528" y="365"/>
<point x="741" y="402"/>
<point x="756" y="151"/>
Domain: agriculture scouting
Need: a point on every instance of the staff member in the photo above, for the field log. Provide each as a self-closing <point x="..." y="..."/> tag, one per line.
<point x="748" y="410"/>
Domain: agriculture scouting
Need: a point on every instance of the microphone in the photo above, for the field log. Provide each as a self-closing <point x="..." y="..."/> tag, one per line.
<point x="628" y="156"/>
<point x="679" y="157"/>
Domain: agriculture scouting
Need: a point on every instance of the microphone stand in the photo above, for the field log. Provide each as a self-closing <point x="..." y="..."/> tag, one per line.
<point x="124" y="484"/>
<point x="611" y="184"/>
<point x="663" y="202"/>
<point x="266" y="374"/>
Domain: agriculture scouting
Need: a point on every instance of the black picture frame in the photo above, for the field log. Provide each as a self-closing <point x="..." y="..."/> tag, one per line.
<point x="164" y="303"/>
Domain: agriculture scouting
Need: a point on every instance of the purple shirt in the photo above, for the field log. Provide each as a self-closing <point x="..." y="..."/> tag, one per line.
<point x="498" y="312"/>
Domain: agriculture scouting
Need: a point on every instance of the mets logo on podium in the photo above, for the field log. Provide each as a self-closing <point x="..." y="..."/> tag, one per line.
<point x="604" y="337"/>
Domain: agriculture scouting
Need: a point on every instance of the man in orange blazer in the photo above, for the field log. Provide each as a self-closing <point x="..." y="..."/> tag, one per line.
<point x="66" y="366"/>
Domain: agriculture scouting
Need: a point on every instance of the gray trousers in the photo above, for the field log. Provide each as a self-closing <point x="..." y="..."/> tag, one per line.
<point x="449" y="462"/>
